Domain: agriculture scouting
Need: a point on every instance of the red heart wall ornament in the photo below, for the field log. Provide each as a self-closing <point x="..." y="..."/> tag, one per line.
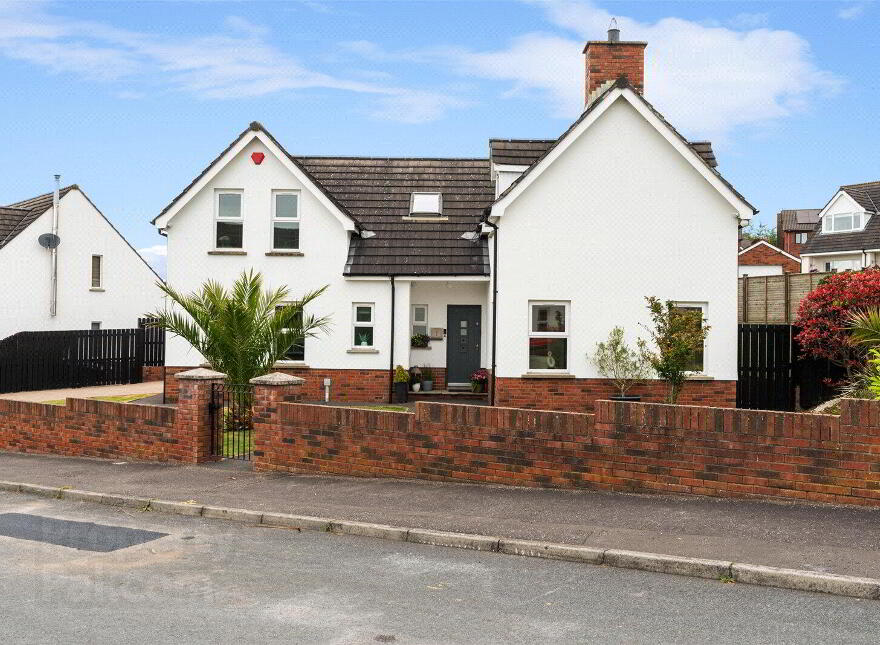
<point x="258" y="157"/>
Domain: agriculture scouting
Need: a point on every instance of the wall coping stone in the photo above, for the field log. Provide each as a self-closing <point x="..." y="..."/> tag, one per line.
<point x="277" y="378"/>
<point x="200" y="374"/>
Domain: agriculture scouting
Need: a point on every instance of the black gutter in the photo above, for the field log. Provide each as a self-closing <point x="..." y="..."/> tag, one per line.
<point x="494" y="307"/>
<point x="391" y="357"/>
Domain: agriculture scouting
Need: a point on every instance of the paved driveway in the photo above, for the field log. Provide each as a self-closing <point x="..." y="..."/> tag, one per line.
<point x="150" y="387"/>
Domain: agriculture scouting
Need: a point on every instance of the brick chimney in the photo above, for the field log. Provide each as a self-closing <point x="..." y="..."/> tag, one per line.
<point x="607" y="60"/>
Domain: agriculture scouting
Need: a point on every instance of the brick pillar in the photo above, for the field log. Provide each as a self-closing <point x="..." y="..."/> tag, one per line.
<point x="269" y="392"/>
<point x="193" y="419"/>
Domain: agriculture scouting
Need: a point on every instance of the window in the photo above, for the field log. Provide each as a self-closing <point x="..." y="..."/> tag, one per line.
<point x="843" y="222"/>
<point x="426" y="204"/>
<point x="97" y="271"/>
<point x="229" y="226"/>
<point x="697" y="313"/>
<point x="420" y="319"/>
<point x="297" y="351"/>
<point x="843" y="265"/>
<point x="548" y="335"/>
<point x="285" y="221"/>
<point x="96" y="325"/>
<point x="800" y="238"/>
<point x="362" y="324"/>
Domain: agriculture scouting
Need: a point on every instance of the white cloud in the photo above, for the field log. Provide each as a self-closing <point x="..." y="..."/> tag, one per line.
<point x="708" y="79"/>
<point x="236" y="63"/>
<point x="851" y="12"/>
<point x="157" y="257"/>
<point x="749" y="20"/>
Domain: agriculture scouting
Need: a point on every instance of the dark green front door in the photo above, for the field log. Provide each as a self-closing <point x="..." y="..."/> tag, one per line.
<point x="462" y="343"/>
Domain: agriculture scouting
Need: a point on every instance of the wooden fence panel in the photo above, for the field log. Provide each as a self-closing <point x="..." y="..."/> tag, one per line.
<point x="774" y="299"/>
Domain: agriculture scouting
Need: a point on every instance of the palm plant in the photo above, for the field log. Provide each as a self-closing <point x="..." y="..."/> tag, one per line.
<point x="864" y="327"/>
<point x="244" y="331"/>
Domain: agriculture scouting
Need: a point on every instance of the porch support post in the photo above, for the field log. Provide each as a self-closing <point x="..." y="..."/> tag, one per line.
<point x="402" y="332"/>
<point x="192" y="421"/>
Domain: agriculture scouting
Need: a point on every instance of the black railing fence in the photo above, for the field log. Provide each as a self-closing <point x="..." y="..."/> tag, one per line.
<point x="232" y="420"/>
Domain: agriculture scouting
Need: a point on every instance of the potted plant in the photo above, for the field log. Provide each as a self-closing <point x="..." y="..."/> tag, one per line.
<point x="479" y="380"/>
<point x="621" y="364"/>
<point x="401" y="384"/>
<point x="427" y="379"/>
<point x="364" y="339"/>
<point x="420" y="340"/>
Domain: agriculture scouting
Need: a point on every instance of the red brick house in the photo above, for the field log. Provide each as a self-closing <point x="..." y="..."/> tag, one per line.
<point x="762" y="258"/>
<point x="794" y="227"/>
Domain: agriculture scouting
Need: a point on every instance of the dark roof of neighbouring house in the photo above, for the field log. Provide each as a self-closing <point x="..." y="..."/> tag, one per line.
<point x="867" y="195"/>
<point x="376" y="191"/>
<point x="623" y="83"/>
<point x="797" y="219"/>
<point x="16" y="217"/>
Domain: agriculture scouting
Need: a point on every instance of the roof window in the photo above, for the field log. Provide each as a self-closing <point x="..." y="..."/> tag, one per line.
<point x="425" y="205"/>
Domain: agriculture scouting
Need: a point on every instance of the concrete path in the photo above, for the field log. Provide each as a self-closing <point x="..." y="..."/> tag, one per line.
<point x="829" y="539"/>
<point x="39" y="396"/>
<point x="213" y="581"/>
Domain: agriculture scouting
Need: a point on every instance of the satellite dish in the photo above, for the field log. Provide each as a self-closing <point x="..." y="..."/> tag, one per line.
<point x="49" y="240"/>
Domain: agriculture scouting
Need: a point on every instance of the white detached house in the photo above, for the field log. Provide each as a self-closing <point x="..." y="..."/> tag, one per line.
<point x="101" y="281"/>
<point x="518" y="263"/>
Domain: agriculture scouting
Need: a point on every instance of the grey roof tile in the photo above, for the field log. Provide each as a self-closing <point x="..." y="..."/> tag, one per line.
<point x="16" y="217"/>
<point x="868" y="197"/>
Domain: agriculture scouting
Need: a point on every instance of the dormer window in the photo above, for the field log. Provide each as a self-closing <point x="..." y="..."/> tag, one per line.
<point x="426" y="205"/>
<point x="844" y="222"/>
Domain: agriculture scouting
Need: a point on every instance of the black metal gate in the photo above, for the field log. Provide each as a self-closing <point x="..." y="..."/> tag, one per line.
<point x="232" y="421"/>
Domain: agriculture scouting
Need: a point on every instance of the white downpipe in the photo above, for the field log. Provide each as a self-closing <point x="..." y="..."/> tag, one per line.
<point x="53" y="308"/>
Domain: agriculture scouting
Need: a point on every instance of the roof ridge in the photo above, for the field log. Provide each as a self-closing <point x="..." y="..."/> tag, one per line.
<point x="864" y="183"/>
<point x="65" y="189"/>
<point x="523" y="140"/>
<point x="391" y="158"/>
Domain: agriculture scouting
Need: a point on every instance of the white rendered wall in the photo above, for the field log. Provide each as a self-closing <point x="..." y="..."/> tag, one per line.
<point x="759" y="269"/>
<point x="129" y="289"/>
<point x="324" y="244"/>
<point x="619" y="216"/>
<point x="437" y="295"/>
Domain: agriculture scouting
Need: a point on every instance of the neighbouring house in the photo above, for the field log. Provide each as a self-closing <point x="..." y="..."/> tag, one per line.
<point x="794" y="227"/>
<point x="102" y="282"/>
<point x="847" y="235"/>
<point x="518" y="263"/>
<point x="759" y="257"/>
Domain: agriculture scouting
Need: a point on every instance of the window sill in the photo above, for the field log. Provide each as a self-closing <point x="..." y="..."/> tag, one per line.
<point x="428" y="346"/>
<point x="699" y="377"/>
<point x="97" y="289"/>
<point x="362" y="350"/>
<point x="227" y="252"/>
<point x="287" y="254"/>
<point x="559" y="374"/>
<point x="289" y="364"/>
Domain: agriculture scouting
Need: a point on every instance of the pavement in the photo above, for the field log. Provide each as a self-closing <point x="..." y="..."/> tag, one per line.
<point x="820" y="538"/>
<point x="202" y="580"/>
<point x="39" y="396"/>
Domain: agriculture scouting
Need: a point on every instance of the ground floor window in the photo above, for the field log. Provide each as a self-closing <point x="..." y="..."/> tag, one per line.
<point x="843" y="265"/>
<point x="297" y="351"/>
<point x="548" y="335"/>
<point x="696" y="312"/>
<point x="362" y="323"/>
<point x="420" y="320"/>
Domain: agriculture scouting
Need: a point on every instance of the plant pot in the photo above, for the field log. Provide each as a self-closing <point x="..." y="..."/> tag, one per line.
<point x="476" y="387"/>
<point x="417" y="387"/>
<point x="427" y="386"/>
<point x="626" y="397"/>
<point x="401" y="392"/>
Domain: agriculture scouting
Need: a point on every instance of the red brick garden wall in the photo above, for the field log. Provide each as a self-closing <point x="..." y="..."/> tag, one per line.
<point x="624" y="447"/>
<point x="360" y="386"/>
<point x="580" y="395"/>
<point x="152" y="373"/>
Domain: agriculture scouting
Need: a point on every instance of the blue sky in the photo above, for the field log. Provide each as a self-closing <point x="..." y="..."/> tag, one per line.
<point x="132" y="100"/>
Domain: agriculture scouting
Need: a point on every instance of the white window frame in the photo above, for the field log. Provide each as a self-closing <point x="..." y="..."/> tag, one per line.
<point x="297" y="219"/>
<point x="355" y="323"/>
<point x="100" y="284"/>
<point x="415" y="213"/>
<point x="551" y="334"/>
<point x="829" y="219"/>
<point x="704" y="307"/>
<point x="801" y="238"/>
<point x="414" y="322"/>
<point x="217" y="218"/>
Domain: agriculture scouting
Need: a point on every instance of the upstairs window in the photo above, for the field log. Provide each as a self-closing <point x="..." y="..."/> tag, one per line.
<point x="800" y="238"/>
<point x="548" y="336"/>
<point x="285" y="221"/>
<point x="97" y="271"/>
<point x="426" y="205"/>
<point x="229" y="227"/>
<point x="844" y="222"/>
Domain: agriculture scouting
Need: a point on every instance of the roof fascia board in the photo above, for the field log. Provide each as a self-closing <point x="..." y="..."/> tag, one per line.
<point x="841" y="194"/>
<point x="742" y="210"/>
<point x="162" y="221"/>
<point x="506" y="167"/>
<point x="772" y="248"/>
<point x="849" y="252"/>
